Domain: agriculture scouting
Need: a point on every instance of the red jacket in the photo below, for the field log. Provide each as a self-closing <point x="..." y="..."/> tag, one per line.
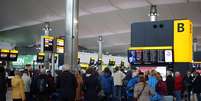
<point x="178" y="83"/>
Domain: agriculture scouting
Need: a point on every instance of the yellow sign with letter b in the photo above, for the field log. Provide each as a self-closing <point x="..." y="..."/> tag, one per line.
<point x="182" y="41"/>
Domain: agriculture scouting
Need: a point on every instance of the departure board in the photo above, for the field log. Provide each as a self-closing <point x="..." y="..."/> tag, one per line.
<point x="4" y="54"/>
<point x="161" y="56"/>
<point x="48" y="42"/>
<point x="139" y="59"/>
<point x="60" y="46"/>
<point x="40" y="57"/>
<point x="153" y="56"/>
<point x="13" y="55"/>
<point x="147" y="57"/>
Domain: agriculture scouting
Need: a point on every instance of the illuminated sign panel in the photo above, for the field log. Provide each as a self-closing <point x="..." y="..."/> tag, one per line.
<point x="13" y="55"/>
<point x="47" y="43"/>
<point x="182" y="41"/>
<point x="40" y="57"/>
<point x="60" y="46"/>
<point x="8" y="55"/>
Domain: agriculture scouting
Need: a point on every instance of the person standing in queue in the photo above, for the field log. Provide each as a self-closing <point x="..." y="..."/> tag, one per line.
<point x="51" y="83"/>
<point x="27" y="84"/>
<point x="91" y="86"/>
<point x="142" y="90"/>
<point x="41" y="86"/>
<point x="197" y="86"/>
<point x="68" y="85"/>
<point x="3" y="84"/>
<point x="170" y="84"/>
<point x="188" y="81"/>
<point x="17" y="87"/>
<point x="107" y="84"/>
<point x="118" y="78"/>
<point x="178" y="84"/>
<point x="79" y="93"/>
<point x="131" y="84"/>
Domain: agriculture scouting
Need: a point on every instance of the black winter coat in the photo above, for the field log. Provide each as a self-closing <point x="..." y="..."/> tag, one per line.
<point x="197" y="85"/>
<point x="170" y="85"/>
<point x="68" y="85"/>
<point x="92" y="87"/>
<point x="3" y="89"/>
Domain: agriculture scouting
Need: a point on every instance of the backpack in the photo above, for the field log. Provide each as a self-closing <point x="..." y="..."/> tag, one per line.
<point x="41" y="84"/>
<point x="161" y="88"/>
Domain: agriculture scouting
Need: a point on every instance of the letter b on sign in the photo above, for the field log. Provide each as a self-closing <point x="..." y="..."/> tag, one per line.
<point x="180" y="27"/>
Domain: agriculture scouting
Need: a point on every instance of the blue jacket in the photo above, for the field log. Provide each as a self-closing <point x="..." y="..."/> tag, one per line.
<point x="107" y="83"/>
<point x="152" y="81"/>
<point x="131" y="85"/>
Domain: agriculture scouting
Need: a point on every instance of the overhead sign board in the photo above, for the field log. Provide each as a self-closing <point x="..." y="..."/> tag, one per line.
<point x="40" y="57"/>
<point x="47" y="44"/>
<point x="60" y="46"/>
<point x="183" y="41"/>
<point x="13" y="55"/>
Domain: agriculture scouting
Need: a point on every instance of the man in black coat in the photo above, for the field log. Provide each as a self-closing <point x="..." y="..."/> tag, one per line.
<point x="188" y="82"/>
<point x="197" y="86"/>
<point x="68" y="85"/>
<point x="170" y="84"/>
<point x="3" y="84"/>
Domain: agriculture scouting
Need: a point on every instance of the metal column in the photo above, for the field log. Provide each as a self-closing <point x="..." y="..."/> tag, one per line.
<point x="46" y="28"/>
<point x="71" y="35"/>
<point x="100" y="40"/>
<point x="53" y="65"/>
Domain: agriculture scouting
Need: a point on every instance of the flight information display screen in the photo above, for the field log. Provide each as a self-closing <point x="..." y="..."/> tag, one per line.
<point x="149" y="57"/>
<point x="60" y="46"/>
<point x="47" y="43"/>
<point x="13" y="55"/>
<point x="40" y="57"/>
<point x="4" y="54"/>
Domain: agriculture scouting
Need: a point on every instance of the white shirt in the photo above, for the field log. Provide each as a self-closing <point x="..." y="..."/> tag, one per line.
<point x="118" y="78"/>
<point x="27" y="82"/>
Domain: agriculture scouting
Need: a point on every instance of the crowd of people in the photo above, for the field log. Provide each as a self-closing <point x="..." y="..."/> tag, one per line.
<point x="93" y="85"/>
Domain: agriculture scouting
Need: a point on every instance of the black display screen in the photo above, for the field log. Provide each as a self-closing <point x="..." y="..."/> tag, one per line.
<point x="146" y="56"/>
<point x="13" y="56"/>
<point x="137" y="57"/>
<point x="40" y="58"/>
<point x="48" y="44"/>
<point x="4" y="56"/>
<point x="153" y="56"/>
<point x="161" y="56"/>
<point x="60" y="46"/>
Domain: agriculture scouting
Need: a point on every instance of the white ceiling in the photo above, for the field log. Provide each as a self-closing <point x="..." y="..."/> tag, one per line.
<point x="110" y="18"/>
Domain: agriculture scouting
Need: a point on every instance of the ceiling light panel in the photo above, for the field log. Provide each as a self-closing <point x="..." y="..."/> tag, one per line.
<point x="158" y="2"/>
<point x="125" y="4"/>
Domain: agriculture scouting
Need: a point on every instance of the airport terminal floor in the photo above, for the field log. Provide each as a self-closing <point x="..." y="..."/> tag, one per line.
<point x="100" y="50"/>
